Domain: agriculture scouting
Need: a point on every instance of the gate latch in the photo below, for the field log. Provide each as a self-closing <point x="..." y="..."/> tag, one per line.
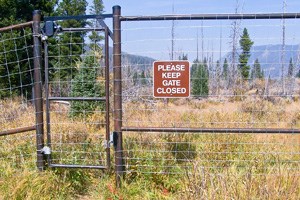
<point x="46" y="150"/>
<point x="113" y="138"/>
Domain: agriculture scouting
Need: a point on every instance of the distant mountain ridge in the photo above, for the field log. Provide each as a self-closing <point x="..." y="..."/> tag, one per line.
<point x="270" y="57"/>
<point x="136" y="62"/>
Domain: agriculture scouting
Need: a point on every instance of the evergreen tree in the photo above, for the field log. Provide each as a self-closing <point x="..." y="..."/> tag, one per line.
<point x="135" y="78"/>
<point x="183" y="57"/>
<point x="246" y="44"/>
<point x="257" y="71"/>
<point x="291" y="68"/>
<point x="85" y="84"/>
<point x="95" y="37"/>
<point x="16" y="74"/>
<point x="13" y="12"/>
<point x="218" y="69"/>
<point x="298" y="74"/>
<point x="71" y="44"/>
<point x="199" y="80"/>
<point x="225" y="69"/>
<point x="143" y="78"/>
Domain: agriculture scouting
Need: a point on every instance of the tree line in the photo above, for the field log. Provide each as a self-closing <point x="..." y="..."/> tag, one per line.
<point x="205" y="72"/>
<point x="66" y="49"/>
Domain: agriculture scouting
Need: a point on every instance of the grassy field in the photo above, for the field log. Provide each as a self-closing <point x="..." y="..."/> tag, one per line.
<point x="160" y="165"/>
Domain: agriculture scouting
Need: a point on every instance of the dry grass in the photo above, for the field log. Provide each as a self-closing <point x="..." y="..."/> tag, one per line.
<point x="160" y="166"/>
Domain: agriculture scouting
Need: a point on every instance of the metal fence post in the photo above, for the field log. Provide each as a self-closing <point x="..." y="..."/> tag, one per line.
<point x="38" y="99"/>
<point x="117" y="71"/>
<point x="107" y="105"/>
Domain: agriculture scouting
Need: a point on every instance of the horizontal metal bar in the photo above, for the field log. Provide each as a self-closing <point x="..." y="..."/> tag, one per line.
<point x="77" y="98"/>
<point x="82" y="29"/>
<point x="212" y="17"/>
<point x="78" y="17"/>
<point x="17" y="130"/>
<point x="77" y="166"/>
<point x="212" y="130"/>
<point x="17" y="26"/>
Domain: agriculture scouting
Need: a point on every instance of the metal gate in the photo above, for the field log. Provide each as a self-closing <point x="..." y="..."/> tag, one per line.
<point x="77" y="94"/>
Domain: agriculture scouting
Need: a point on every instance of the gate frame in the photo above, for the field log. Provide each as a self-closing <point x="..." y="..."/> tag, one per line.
<point x="105" y="99"/>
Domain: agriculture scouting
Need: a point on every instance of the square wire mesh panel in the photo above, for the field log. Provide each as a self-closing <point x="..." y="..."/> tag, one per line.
<point x="16" y="79"/>
<point x="232" y="89"/>
<point x="17" y="113"/>
<point x="77" y="98"/>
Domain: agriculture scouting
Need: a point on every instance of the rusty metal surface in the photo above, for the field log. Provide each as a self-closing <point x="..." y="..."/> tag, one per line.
<point x="117" y="92"/>
<point x="38" y="98"/>
<point x="16" y="27"/>
<point x="17" y="130"/>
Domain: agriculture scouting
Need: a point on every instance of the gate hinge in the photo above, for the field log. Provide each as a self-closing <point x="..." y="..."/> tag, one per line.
<point x="46" y="150"/>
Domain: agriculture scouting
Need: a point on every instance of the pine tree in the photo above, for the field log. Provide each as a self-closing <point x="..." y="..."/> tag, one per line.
<point x="95" y="37"/>
<point x="183" y="57"/>
<point x="218" y="70"/>
<point x="17" y="71"/>
<point x="143" y="78"/>
<point x="218" y="76"/>
<point x="291" y="68"/>
<point x="298" y="75"/>
<point x="246" y="44"/>
<point x="85" y="84"/>
<point x="135" y="78"/>
<point x="257" y="71"/>
<point x="225" y="69"/>
<point x="71" y="44"/>
<point x="199" y="80"/>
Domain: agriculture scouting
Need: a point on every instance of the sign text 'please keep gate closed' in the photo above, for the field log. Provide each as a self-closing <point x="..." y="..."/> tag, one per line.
<point x="171" y="79"/>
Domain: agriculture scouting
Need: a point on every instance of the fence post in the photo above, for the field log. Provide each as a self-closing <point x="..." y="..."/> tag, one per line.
<point x="117" y="71"/>
<point x="38" y="99"/>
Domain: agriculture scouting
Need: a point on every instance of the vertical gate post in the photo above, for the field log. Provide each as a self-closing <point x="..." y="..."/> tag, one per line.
<point x="38" y="99"/>
<point x="107" y="105"/>
<point x="117" y="71"/>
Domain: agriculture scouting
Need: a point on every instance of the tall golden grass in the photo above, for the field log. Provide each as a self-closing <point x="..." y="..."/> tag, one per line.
<point x="160" y="165"/>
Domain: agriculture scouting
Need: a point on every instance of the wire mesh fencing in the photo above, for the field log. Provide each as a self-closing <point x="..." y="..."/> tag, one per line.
<point x="17" y="112"/>
<point x="243" y="112"/>
<point x="76" y="96"/>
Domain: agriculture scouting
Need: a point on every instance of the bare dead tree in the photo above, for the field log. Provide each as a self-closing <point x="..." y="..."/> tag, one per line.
<point x="197" y="40"/>
<point x="202" y="42"/>
<point x="172" y="35"/>
<point x="235" y="30"/>
<point x="282" y="57"/>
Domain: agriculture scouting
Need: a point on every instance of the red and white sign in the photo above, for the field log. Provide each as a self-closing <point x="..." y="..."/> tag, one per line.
<point x="171" y="79"/>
